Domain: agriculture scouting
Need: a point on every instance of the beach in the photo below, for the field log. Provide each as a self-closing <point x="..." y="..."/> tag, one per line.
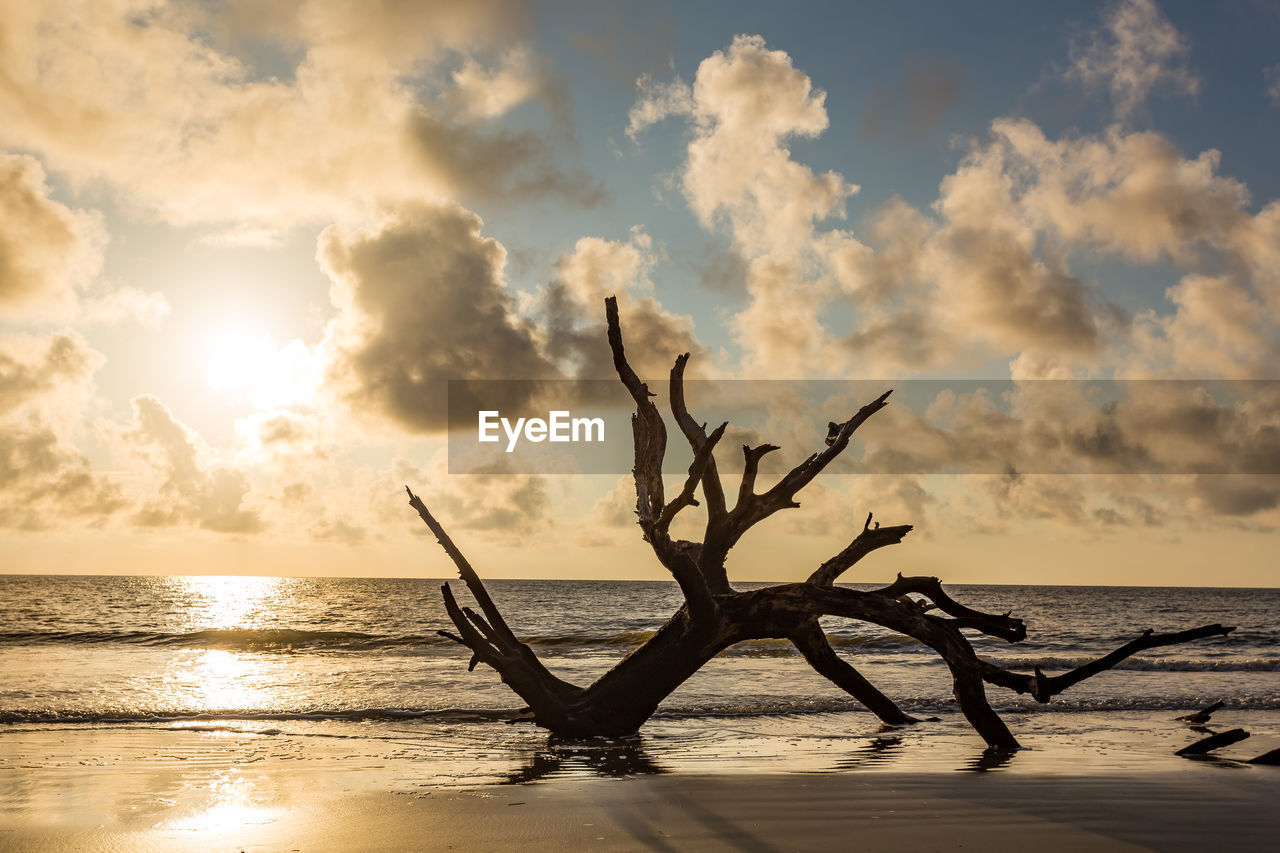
<point x="186" y="788"/>
<point x="305" y="714"/>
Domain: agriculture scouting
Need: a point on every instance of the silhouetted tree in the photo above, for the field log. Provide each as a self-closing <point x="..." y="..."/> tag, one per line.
<point x="715" y="616"/>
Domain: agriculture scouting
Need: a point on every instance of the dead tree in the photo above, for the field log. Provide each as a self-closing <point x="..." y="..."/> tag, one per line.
<point x="715" y="616"/>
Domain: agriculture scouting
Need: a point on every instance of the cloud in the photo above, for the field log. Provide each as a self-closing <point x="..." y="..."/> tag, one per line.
<point x="31" y="366"/>
<point x="1271" y="76"/>
<point x="973" y="279"/>
<point x="257" y="121"/>
<point x="282" y="432"/>
<point x="44" y="479"/>
<point x="658" y="101"/>
<point x="748" y="102"/>
<point x="506" y="506"/>
<point x="990" y="268"/>
<point x="491" y="164"/>
<point x="482" y="93"/>
<point x="572" y="309"/>
<point x="190" y="492"/>
<point x="422" y="300"/>
<point x="1137" y="52"/>
<point x="912" y="107"/>
<point x="47" y="250"/>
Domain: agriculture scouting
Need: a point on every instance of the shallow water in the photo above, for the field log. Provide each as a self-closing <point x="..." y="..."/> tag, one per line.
<point x="291" y="668"/>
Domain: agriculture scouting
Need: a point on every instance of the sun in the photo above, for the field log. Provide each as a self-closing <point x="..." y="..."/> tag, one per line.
<point x="247" y="364"/>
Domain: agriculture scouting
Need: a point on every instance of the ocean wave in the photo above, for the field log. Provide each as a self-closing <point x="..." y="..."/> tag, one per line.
<point x="1052" y="665"/>
<point x="288" y="639"/>
<point x="75" y="717"/>
<point x="920" y="706"/>
<point x="240" y="639"/>
<point x="905" y="649"/>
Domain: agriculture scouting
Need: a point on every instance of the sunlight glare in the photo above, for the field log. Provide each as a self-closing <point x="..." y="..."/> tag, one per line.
<point x="245" y="364"/>
<point x="227" y="602"/>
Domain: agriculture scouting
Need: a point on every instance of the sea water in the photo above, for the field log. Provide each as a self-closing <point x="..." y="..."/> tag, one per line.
<point x="359" y="658"/>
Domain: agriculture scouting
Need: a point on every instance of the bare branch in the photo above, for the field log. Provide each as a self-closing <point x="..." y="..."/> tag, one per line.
<point x="753" y="508"/>
<point x="995" y="625"/>
<point x="699" y="470"/>
<point x="492" y="641"/>
<point x="715" y="616"/>
<point x="863" y="544"/>
<point x="468" y="574"/>
<point x="650" y="438"/>
<point x="815" y="647"/>
<point x="803" y="474"/>
<point x="696" y="434"/>
<point x="750" y="467"/>
<point x="1044" y="687"/>
<point x="647" y="427"/>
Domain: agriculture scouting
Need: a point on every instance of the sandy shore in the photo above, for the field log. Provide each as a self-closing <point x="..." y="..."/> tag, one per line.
<point x="142" y="789"/>
<point x="760" y="813"/>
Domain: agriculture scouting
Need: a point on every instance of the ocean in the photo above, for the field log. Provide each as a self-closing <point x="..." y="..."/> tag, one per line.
<point x="286" y="660"/>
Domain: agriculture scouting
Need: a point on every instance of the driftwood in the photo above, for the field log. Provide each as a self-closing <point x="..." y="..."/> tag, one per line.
<point x="1270" y="758"/>
<point x="1202" y="716"/>
<point x="1212" y="742"/>
<point x="715" y="616"/>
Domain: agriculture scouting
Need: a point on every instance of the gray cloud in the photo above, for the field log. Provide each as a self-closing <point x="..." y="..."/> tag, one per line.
<point x="422" y="300"/>
<point x="913" y="107"/>
<point x="492" y="164"/>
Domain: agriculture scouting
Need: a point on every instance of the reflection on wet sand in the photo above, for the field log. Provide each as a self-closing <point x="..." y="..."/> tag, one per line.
<point x="876" y="751"/>
<point x="613" y="758"/>
<point x="991" y="758"/>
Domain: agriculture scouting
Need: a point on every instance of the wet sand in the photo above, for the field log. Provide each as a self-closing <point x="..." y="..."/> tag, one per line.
<point x="153" y="790"/>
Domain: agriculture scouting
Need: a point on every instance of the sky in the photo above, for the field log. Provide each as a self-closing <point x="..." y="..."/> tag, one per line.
<point x="245" y="246"/>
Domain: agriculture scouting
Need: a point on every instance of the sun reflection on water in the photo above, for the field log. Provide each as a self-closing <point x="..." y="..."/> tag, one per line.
<point x="225" y="603"/>
<point x="221" y="679"/>
<point x="234" y="802"/>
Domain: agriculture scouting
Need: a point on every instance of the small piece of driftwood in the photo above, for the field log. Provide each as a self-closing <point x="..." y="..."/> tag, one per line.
<point x="1212" y="742"/>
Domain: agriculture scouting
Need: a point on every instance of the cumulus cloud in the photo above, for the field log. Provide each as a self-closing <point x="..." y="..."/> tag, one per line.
<point x="192" y="490"/>
<point x="1271" y="76"/>
<point x="1137" y="51"/>
<point x="44" y="478"/>
<point x="990" y="268"/>
<point x="481" y="92"/>
<point x="573" y="311"/>
<point x="47" y="250"/>
<point x="422" y="299"/>
<point x="505" y="505"/>
<point x="971" y="279"/>
<point x="166" y="104"/>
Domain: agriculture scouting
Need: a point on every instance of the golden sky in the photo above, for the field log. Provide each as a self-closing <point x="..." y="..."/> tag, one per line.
<point x="245" y="246"/>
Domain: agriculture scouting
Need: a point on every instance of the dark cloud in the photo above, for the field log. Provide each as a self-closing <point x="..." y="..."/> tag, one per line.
<point x="496" y="164"/>
<point x="628" y="41"/>
<point x="422" y="301"/>
<point x="913" y="106"/>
